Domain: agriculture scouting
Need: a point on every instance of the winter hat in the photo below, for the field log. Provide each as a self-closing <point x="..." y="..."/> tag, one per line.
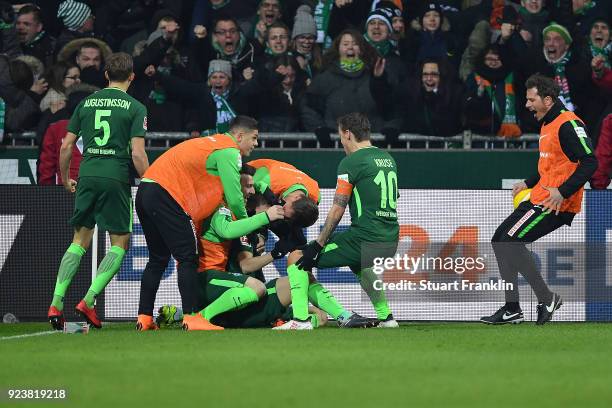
<point x="220" y="66"/>
<point x="384" y="14"/>
<point x="304" y="23"/>
<point x="430" y="6"/>
<point x="559" y="29"/>
<point x="73" y="14"/>
<point x="397" y="12"/>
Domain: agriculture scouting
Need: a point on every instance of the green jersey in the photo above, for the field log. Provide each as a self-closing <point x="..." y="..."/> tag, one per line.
<point x="373" y="206"/>
<point x="107" y="121"/>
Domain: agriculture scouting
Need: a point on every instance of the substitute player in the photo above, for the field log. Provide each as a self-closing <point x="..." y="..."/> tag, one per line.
<point x="112" y="125"/>
<point x="566" y="163"/>
<point x="182" y="188"/>
<point x="367" y="182"/>
<point x="280" y="181"/>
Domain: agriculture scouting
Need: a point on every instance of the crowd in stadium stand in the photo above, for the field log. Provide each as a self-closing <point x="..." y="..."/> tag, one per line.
<point x="426" y="67"/>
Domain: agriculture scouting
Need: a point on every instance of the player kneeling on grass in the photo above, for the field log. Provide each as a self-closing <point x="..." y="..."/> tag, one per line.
<point x="367" y="182"/>
<point x="269" y="311"/>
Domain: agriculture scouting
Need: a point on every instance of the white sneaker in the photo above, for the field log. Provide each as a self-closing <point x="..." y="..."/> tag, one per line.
<point x="295" y="325"/>
<point x="388" y="323"/>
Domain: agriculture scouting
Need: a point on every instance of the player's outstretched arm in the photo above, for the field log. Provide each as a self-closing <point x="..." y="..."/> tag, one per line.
<point x="227" y="228"/>
<point x="139" y="156"/>
<point x="64" y="160"/>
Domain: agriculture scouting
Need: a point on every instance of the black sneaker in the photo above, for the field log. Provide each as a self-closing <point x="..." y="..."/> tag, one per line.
<point x="546" y="310"/>
<point x="504" y="316"/>
<point x="357" y="321"/>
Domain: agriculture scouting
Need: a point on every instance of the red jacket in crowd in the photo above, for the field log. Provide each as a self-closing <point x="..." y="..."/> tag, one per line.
<point x="601" y="177"/>
<point x="48" y="167"/>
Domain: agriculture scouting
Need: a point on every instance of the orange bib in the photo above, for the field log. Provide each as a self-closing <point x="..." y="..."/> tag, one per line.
<point x="554" y="166"/>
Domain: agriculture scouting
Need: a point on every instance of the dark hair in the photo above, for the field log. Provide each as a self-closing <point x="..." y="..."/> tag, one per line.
<point x="255" y="201"/>
<point x="357" y="123"/>
<point x="21" y="75"/>
<point x="56" y="74"/>
<point x="285" y="60"/>
<point x="119" y="66"/>
<point x="30" y="8"/>
<point x="368" y="53"/>
<point x="306" y="212"/>
<point x="247" y="170"/>
<point x="225" y="17"/>
<point x="90" y="44"/>
<point x="447" y="80"/>
<point x="244" y="122"/>
<point x="544" y="85"/>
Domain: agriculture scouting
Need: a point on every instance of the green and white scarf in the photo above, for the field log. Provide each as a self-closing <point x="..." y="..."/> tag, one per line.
<point x="383" y="47"/>
<point x="604" y="52"/>
<point x="225" y="113"/>
<point x="321" y="15"/>
<point x="352" y="65"/>
<point x="582" y="10"/>
<point x="561" y="80"/>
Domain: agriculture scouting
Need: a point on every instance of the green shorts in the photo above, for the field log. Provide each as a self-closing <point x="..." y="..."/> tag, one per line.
<point x="261" y="314"/>
<point x="347" y="249"/>
<point x="215" y="283"/>
<point x="104" y="202"/>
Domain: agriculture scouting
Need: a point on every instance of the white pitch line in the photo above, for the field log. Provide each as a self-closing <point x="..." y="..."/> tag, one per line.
<point x="21" y="336"/>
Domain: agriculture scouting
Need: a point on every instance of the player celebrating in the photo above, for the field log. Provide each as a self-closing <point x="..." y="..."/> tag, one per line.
<point x="367" y="182"/>
<point x="218" y="232"/>
<point x="278" y="180"/>
<point x="267" y="312"/>
<point x="112" y="125"/>
<point x="566" y="163"/>
<point x="182" y="188"/>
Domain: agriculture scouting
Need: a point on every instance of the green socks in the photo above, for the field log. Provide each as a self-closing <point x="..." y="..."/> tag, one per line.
<point x="377" y="297"/>
<point x="298" y="281"/>
<point x="232" y="299"/>
<point x="67" y="269"/>
<point x="324" y="300"/>
<point x="108" y="268"/>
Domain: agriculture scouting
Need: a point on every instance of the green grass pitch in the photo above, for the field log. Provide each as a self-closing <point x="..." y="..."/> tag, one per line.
<point x="417" y="365"/>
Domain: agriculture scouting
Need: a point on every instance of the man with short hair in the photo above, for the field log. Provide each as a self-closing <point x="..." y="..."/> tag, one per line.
<point x="566" y="163"/>
<point x="112" y="125"/>
<point x="280" y="181"/>
<point x="182" y="188"/>
<point x="228" y="43"/>
<point x="89" y="55"/>
<point x="367" y="182"/>
<point x="33" y="38"/>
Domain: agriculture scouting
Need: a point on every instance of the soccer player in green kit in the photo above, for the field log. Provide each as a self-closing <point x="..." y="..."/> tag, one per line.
<point x="112" y="125"/>
<point x="367" y="182"/>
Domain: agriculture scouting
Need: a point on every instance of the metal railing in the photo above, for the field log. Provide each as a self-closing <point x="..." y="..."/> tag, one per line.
<point x="466" y="140"/>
